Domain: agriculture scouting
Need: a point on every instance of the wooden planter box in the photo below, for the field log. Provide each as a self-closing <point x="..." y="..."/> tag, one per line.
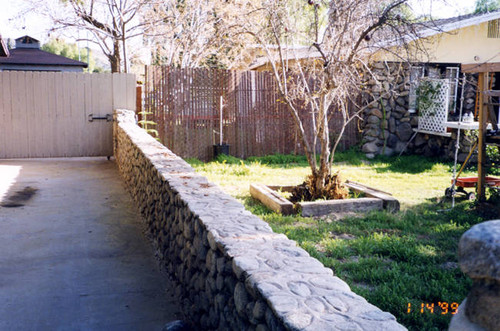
<point x="374" y="200"/>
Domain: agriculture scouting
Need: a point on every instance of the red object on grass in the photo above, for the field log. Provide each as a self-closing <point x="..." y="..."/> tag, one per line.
<point x="472" y="181"/>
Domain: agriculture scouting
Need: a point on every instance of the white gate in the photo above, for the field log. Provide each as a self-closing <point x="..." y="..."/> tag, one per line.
<point x="47" y="114"/>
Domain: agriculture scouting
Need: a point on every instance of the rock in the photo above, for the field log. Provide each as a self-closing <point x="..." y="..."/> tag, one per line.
<point x="483" y="303"/>
<point x="370" y="156"/>
<point x="392" y="125"/>
<point x="376" y="112"/>
<point x="401" y="101"/>
<point x="479" y="251"/>
<point x="259" y="310"/>
<point x="370" y="148"/>
<point x="460" y="322"/>
<point x="414" y="121"/>
<point x="240" y="298"/>
<point x="479" y="258"/>
<point x="384" y="124"/>
<point x="400" y="109"/>
<point x="373" y="119"/>
<point x="373" y="132"/>
<point x="420" y="140"/>
<point x="177" y="326"/>
<point x="397" y="115"/>
<point x="404" y="131"/>
<point x="369" y="138"/>
<point x="392" y="140"/>
<point x="388" y="151"/>
<point x="400" y="146"/>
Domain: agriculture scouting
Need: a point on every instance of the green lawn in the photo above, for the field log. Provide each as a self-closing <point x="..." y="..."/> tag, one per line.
<point x="392" y="260"/>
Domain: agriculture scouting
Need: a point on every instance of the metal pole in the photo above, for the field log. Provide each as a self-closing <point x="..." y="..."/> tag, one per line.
<point x="482" y="83"/>
<point x="221" y="118"/>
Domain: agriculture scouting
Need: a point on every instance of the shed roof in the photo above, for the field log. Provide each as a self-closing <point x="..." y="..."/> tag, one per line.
<point x="34" y="56"/>
<point x="4" y="50"/>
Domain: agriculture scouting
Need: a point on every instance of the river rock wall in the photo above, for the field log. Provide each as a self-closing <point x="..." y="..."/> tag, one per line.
<point x="232" y="270"/>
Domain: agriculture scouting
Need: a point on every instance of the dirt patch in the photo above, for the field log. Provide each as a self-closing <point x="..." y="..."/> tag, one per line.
<point x="333" y="188"/>
<point x="345" y="236"/>
<point x="19" y="198"/>
<point x="488" y="210"/>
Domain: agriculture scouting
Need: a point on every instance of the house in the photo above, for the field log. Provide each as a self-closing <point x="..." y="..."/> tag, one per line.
<point x="27" y="56"/>
<point x="452" y="49"/>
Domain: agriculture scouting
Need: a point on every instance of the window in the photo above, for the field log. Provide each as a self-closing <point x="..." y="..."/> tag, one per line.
<point x="452" y="75"/>
<point x="415" y="74"/>
<point x="494" y="29"/>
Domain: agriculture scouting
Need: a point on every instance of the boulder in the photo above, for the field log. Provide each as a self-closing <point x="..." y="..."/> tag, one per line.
<point x="401" y="101"/>
<point x="400" y="147"/>
<point x="376" y="112"/>
<point x="479" y="251"/>
<point x="392" y="140"/>
<point x="479" y="258"/>
<point x="370" y="148"/>
<point x="401" y="109"/>
<point x="370" y="156"/>
<point x="373" y="119"/>
<point x="388" y="151"/>
<point x="483" y="303"/>
<point x="373" y="132"/>
<point x="404" y="131"/>
<point x="420" y="140"/>
<point x="392" y="125"/>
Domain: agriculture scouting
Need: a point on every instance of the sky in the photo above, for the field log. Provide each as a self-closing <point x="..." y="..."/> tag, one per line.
<point x="13" y="26"/>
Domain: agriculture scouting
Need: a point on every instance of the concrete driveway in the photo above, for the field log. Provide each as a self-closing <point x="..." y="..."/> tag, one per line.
<point x="73" y="255"/>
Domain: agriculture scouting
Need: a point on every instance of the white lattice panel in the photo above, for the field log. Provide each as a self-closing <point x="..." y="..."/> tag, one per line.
<point x="433" y="119"/>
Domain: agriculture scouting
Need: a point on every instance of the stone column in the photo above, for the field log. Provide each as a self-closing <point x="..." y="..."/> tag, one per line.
<point x="479" y="258"/>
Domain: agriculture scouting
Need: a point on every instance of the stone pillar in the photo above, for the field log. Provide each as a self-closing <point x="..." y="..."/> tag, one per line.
<point x="479" y="258"/>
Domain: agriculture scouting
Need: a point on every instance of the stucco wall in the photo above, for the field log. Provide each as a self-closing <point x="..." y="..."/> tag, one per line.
<point x="231" y="269"/>
<point x="466" y="45"/>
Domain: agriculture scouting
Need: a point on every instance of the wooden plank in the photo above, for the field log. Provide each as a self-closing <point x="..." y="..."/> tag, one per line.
<point x="119" y="91"/>
<point x="322" y="208"/>
<point x="39" y="115"/>
<point x="19" y="119"/>
<point x="89" y="129"/>
<point x="29" y="122"/>
<point x="50" y="99"/>
<point x="66" y="121"/>
<point x="105" y="107"/>
<point x="131" y="92"/>
<point x="481" y="67"/>
<point x="390" y="203"/>
<point x="6" y="115"/>
<point x="271" y="199"/>
<point x="74" y="89"/>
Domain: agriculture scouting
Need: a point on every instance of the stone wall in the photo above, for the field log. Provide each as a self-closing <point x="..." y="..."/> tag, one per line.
<point x="232" y="271"/>
<point x="388" y="124"/>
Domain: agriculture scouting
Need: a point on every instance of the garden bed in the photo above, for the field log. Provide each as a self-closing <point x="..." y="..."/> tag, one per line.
<point x="372" y="199"/>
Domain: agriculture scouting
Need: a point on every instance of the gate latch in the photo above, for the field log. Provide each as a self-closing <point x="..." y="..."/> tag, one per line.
<point x="108" y="117"/>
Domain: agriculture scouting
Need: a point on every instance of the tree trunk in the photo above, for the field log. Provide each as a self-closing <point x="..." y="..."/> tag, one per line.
<point x="114" y="59"/>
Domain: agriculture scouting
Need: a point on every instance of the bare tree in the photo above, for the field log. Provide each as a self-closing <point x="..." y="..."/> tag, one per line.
<point x="194" y="33"/>
<point x="110" y="23"/>
<point x="328" y="73"/>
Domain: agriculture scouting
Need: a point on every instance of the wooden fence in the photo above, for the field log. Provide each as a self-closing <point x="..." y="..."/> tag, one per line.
<point x="186" y="105"/>
<point x="46" y="114"/>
